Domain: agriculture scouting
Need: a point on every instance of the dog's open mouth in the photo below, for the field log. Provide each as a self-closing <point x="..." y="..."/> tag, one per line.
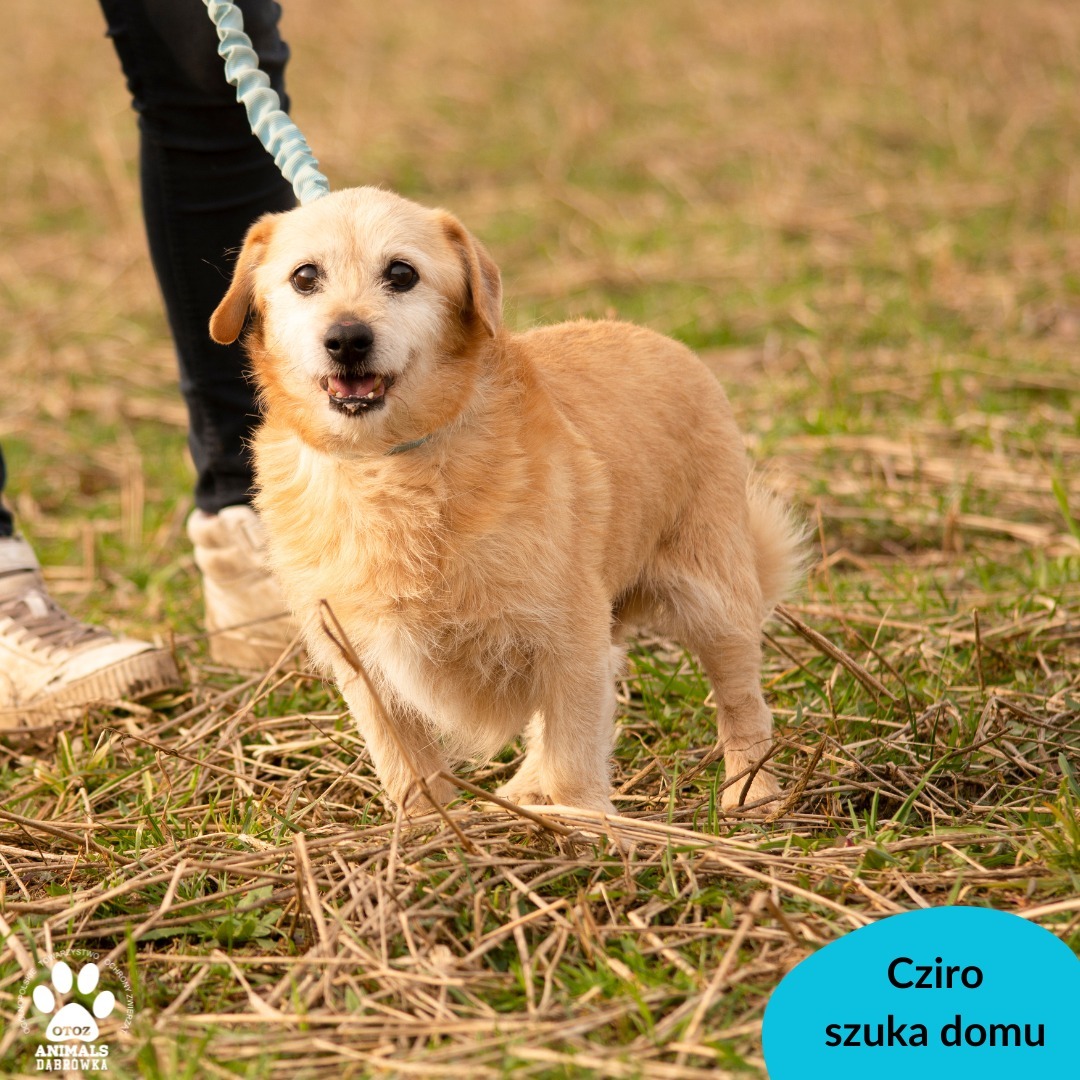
<point x="356" y="393"/>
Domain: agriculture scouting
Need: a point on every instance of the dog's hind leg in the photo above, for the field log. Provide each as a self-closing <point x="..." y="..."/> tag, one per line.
<point x="403" y="753"/>
<point x="711" y="587"/>
<point x="716" y="616"/>
<point x="732" y="660"/>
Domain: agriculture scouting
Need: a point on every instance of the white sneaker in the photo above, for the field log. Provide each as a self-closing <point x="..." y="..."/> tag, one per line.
<point x="52" y="665"/>
<point x="246" y="617"/>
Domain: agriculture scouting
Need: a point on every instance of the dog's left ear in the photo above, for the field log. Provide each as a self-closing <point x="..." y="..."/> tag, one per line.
<point x="484" y="298"/>
<point x="228" y="318"/>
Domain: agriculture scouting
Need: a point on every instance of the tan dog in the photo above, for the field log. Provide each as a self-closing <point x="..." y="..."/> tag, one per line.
<point x="484" y="511"/>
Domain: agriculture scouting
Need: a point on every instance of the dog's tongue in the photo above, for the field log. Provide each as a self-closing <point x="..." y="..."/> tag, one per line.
<point x="351" y="388"/>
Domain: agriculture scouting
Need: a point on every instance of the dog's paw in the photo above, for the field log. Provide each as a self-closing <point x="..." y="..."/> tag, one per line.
<point x="600" y="803"/>
<point x="597" y="801"/>
<point x="763" y="786"/>
<point x="521" y="792"/>
<point x="415" y="803"/>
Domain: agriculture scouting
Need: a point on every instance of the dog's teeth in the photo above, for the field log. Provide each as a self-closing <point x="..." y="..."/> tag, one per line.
<point x="370" y="395"/>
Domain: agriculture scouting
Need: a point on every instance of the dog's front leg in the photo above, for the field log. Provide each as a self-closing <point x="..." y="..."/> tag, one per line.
<point x="525" y="786"/>
<point x="401" y="745"/>
<point x="569" y="741"/>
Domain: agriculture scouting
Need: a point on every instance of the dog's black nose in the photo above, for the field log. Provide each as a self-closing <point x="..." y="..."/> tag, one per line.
<point x="349" y="342"/>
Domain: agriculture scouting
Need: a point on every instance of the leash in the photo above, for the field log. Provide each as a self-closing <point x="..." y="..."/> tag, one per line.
<point x="281" y="137"/>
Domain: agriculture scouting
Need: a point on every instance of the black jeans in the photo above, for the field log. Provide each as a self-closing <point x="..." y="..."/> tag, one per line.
<point x="205" y="179"/>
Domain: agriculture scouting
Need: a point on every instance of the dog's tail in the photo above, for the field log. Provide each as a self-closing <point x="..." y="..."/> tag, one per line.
<point x="780" y="540"/>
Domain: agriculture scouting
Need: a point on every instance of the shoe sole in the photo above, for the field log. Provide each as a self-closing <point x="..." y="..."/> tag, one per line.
<point x="138" y="676"/>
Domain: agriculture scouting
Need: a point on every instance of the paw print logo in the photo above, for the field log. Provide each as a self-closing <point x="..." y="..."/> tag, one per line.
<point x="73" y="1021"/>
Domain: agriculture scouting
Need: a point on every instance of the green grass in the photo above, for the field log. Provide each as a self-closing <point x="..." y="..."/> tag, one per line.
<point x="865" y="217"/>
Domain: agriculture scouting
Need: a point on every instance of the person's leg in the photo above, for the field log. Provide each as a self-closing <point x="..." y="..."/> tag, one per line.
<point x="52" y="665"/>
<point x="7" y="524"/>
<point x="205" y="179"/>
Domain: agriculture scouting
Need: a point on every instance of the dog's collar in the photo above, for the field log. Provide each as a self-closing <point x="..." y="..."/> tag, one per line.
<point x="402" y="448"/>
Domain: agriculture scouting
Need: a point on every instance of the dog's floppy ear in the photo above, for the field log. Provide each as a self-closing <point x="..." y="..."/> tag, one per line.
<point x="228" y="318"/>
<point x="484" y="299"/>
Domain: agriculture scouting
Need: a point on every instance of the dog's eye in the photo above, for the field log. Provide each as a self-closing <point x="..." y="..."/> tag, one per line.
<point x="305" y="278"/>
<point x="401" y="276"/>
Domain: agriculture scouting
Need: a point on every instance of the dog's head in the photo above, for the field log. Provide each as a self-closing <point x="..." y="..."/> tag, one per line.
<point x="368" y="314"/>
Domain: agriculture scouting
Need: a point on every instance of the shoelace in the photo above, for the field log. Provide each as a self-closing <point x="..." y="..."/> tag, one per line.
<point x="42" y="624"/>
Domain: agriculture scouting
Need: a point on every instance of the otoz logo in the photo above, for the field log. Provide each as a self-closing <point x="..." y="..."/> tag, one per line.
<point x="73" y="1021"/>
<point x="72" y="1030"/>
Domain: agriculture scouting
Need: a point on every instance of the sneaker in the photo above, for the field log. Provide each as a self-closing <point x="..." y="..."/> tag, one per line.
<point x="246" y="618"/>
<point x="51" y="665"/>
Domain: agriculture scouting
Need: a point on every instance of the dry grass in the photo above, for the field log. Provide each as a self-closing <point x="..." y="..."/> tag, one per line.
<point x="865" y="216"/>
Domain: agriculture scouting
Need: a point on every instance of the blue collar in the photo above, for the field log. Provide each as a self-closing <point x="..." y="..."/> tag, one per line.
<point x="401" y="448"/>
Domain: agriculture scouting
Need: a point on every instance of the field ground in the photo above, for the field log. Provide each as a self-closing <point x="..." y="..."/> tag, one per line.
<point x="866" y="217"/>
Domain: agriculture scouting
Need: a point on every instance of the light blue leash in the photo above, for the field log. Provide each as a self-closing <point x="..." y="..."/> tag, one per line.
<point x="281" y="137"/>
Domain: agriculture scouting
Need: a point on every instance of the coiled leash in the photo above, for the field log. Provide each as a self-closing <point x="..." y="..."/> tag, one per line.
<point x="281" y="137"/>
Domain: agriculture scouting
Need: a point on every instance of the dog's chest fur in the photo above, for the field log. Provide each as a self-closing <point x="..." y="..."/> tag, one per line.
<point x="433" y="580"/>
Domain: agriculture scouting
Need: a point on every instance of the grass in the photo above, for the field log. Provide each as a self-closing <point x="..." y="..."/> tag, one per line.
<point x="866" y="218"/>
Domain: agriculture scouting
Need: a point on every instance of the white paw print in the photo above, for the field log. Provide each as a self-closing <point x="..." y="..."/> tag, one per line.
<point x="73" y="1021"/>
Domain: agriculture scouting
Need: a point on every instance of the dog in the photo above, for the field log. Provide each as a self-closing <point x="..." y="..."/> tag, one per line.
<point x="487" y="512"/>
